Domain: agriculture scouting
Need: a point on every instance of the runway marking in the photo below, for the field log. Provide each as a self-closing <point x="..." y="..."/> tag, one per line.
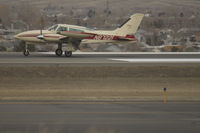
<point x="98" y="112"/>
<point x="125" y="53"/>
<point x="101" y="102"/>
<point x="56" y="63"/>
<point x="163" y="60"/>
<point x="83" y="120"/>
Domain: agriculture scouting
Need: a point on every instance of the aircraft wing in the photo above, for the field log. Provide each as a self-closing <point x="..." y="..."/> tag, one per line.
<point x="78" y="35"/>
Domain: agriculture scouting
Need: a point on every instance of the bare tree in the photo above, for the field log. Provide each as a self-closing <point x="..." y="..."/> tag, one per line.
<point x="5" y="15"/>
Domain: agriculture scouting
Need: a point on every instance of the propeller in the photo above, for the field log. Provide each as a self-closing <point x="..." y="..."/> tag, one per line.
<point x="41" y="36"/>
<point x="40" y="29"/>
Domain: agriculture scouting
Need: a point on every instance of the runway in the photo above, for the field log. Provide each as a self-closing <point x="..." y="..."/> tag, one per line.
<point x="108" y="117"/>
<point x="99" y="93"/>
<point x="100" y="58"/>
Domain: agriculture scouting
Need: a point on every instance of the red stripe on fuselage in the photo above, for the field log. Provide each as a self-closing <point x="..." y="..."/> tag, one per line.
<point x="112" y="37"/>
<point x="53" y="36"/>
<point x="104" y="37"/>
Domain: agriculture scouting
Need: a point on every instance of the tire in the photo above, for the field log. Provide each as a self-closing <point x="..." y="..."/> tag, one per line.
<point x="59" y="52"/>
<point x="68" y="53"/>
<point x="26" y="53"/>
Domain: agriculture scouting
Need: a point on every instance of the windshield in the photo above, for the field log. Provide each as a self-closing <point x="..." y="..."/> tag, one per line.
<point x="53" y="28"/>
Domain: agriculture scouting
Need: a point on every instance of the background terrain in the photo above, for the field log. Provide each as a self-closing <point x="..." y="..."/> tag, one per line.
<point x="173" y="24"/>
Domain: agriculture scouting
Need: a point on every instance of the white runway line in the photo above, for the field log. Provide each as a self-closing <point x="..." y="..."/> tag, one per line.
<point x="125" y="53"/>
<point x="163" y="60"/>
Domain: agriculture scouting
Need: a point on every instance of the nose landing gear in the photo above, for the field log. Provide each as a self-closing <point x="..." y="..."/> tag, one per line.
<point x="26" y="51"/>
<point x="59" y="51"/>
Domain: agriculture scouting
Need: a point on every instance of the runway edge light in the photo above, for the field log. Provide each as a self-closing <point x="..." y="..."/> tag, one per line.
<point x="164" y="95"/>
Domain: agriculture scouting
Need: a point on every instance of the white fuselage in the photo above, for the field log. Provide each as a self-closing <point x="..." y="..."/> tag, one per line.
<point x="62" y="32"/>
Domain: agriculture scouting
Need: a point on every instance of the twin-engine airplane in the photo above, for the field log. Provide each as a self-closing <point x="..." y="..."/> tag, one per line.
<point x="73" y="35"/>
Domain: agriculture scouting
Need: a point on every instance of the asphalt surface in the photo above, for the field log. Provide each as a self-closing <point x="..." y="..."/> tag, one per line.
<point x="99" y="117"/>
<point x="99" y="58"/>
<point x="66" y="117"/>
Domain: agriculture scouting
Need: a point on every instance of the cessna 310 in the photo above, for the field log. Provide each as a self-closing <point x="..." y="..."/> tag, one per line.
<point x="73" y="35"/>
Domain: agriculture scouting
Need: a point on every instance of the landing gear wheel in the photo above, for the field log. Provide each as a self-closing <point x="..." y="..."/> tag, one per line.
<point x="68" y="53"/>
<point x="59" y="52"/>
<point x="26" y="53"/>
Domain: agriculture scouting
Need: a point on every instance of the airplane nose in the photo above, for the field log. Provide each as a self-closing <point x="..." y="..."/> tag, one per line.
<point x="16" y="36"/>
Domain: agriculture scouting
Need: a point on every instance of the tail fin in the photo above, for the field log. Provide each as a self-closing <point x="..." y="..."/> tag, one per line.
<point x="130" y="26"/>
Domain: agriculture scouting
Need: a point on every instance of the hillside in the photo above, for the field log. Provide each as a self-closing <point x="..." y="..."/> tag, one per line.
<point x="114" y="4"/>
<point x="167" y="22"/>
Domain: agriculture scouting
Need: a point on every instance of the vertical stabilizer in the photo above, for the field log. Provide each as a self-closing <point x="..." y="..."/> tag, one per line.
<point x="130" y="26"/>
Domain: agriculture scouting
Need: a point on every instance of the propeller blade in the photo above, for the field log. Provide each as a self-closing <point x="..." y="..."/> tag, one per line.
<point x="41" y="36"/>
<point x="41" y="24"/>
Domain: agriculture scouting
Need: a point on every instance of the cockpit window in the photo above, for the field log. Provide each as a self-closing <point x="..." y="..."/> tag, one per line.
<point x="53" y="28"/>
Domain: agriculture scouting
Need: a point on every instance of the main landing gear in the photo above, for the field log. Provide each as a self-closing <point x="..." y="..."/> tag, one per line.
<point x="59" y="51"/>
<point x="68" y="53"/>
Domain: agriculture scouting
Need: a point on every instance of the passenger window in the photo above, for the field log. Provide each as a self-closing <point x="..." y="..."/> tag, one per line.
<point x="64" y="29"/>
<point x="77" y="30"/>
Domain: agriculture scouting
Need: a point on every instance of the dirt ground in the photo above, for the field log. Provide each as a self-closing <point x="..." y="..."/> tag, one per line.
<point x="137" y="83"/>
